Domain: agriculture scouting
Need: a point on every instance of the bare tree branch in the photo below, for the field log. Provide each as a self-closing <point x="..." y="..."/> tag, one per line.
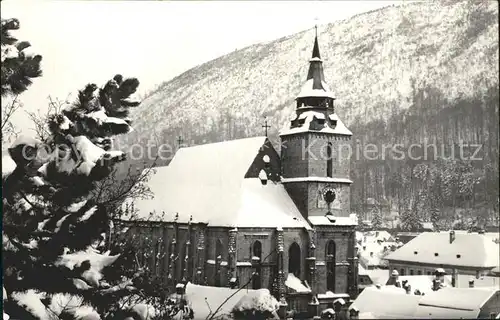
<point x="40" y="119"/>
<point x="8" y="111"/>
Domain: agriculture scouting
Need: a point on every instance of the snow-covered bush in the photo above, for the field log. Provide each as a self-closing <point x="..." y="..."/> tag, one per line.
<point x="258" y="304"/>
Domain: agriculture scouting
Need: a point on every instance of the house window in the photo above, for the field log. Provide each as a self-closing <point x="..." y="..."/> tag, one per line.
<point x="329" y="160"/>
<point x="419" y="272"/>
<point x="411" y="272"/>
<point x="402" y="273"/>
<point x="429" y="273"/>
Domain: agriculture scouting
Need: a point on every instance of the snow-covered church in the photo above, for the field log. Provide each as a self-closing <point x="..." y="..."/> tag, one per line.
<point x="235" y="212"/>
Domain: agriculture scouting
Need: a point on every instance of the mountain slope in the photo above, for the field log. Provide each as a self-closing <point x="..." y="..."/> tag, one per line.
<point x="421" y="72"/>
<point x="373" y="62"/>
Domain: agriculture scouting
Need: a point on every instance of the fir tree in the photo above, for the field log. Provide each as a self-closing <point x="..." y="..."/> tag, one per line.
<point x="377" y="219"/>
<point x="17" y="71"/>
<point x="18" y="68"/>
<point x="54" y="263"/>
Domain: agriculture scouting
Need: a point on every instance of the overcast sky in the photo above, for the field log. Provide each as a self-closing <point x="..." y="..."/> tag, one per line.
<point x="91" y="41"/>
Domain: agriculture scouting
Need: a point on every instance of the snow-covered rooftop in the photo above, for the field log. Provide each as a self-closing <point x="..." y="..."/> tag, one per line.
<point x="467" y="250"/>
<point x="446" y="303"/>
<point x="339" y="129"/>
<point x="378" y="276"/>
<point x="374" y="236"/>
<point x="331" y="221"/>
<point x="386" y="301"/>
<point x="465" y="298"/>
<point x="208" y="182"/>
<point x="422" y="283"/>
<point x="316" y="179"/>
<point x="308" y="90"/>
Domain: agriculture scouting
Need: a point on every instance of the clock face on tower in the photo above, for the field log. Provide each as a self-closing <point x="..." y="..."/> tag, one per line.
<point x="329" y="195"/>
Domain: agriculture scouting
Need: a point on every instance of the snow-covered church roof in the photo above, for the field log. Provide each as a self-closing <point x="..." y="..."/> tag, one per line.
<point x="208" y="182"/>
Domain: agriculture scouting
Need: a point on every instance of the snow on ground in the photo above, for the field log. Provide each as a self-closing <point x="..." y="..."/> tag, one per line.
<point x="204" y="299"/>
<point x="258" y="300"/>
<point x="296" y="284"/>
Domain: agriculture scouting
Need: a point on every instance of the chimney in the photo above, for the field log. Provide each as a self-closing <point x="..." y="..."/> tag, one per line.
<point x="471" y="282"/>
<point x="452" y="236"/>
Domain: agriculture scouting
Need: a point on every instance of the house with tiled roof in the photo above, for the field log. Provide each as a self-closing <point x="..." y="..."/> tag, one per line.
<point x="456" y="252"/>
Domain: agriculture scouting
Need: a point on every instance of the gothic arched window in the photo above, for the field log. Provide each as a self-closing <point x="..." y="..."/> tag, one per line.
<point x="218" y="250"/>
<point x="257" y="252"/>
<point x="218" y="259"/>
<point x="257" y="249"/>
<point x="294" y="259"/>
<point x="329" y="160"/>
<point x="331" y="252"/>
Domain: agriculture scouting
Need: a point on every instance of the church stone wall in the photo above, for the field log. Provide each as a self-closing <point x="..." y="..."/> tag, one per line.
<point x="301" y="237"/>
<point x="317" y="155"/>
<point x="298" y="192"/>
<point x="245" y="240"/>
<point x="341" y="207"/>
<point x="344" y="245"/>
<point x="294" y="162"/>
<point x="213" y="234"/>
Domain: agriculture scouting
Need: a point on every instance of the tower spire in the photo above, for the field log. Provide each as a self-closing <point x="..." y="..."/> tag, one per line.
<point x="315" y="53"/>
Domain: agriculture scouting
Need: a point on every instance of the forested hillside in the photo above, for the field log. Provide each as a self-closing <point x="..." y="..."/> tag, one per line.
<point x="425" y="72"/>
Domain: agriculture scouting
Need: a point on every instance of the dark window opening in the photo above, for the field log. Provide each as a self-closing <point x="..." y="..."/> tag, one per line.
<point x="331" y="252"/>
<point x="257" y="252"/>
<point x="419" y="272"/>
<point x="294" y="260"/>
<point x="411" y="272"/>
<point x="402" y="273"/>
<point x="329" y="161"/>
<point x="218" y="259"/>
<point x="458" y="256"/>
<point x="436" y="254"/>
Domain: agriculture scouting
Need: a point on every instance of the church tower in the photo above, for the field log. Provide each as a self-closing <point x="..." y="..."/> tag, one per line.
<point x="316" y="149"/>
